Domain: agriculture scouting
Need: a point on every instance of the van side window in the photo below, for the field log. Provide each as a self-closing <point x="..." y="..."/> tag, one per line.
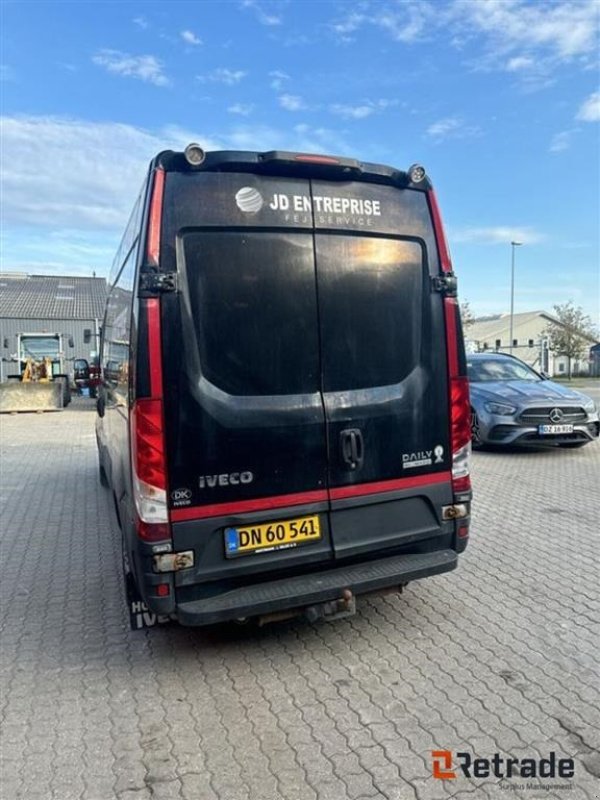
<point x="117" y="320"/>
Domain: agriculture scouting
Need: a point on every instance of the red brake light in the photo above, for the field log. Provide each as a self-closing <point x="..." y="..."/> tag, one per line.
<point x="460" y="413"/>
<point x="148" y="451"/>
<point x="316" y="159"/>
<point x="460" y="406"/>
<point x="156" y="204"/>
<point x="148" y="441"/>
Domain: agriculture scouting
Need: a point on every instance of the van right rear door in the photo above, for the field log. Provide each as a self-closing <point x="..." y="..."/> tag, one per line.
<point x="383" y="361"/>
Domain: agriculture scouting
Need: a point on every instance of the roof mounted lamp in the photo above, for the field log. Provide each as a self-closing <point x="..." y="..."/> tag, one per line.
<point x="194" y="154"/>
<point x="416" y="173"/>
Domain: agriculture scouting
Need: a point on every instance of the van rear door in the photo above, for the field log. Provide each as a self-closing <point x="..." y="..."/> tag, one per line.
<point x="245" y="421"/>
<point x="384" y="366"/>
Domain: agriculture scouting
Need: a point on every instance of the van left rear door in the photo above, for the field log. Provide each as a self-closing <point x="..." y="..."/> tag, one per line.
<point x="245" y="421"/>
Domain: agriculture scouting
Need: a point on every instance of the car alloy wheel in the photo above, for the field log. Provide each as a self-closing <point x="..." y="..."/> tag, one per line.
<point x="476" y="440"/>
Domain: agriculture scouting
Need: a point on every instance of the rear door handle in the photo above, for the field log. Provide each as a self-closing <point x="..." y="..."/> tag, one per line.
<point x="352" y="446"/>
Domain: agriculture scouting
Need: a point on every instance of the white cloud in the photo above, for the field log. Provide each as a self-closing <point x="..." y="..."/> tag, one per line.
<point x="141" y="22"/>
<point x="363" y="110"/>
<point x="243" y="109"/>
<point x="87" y="174"/>
<point x="500" y="234"/>
<point x="278" y="77"/>
<point x="589" y="111"/>
<point x="451" y="128"/>
<point x="189" y="37"/>
<point x="352" y="112"/>
<point x="563" y="30"/>
<point x="348" y="25"/>
<point x="146" y="68"/>
<point x="519" y="63"/>
<point x="265" y="18"/>
<point x="530" y="39"/>
<point x="409" y="21"/>
<point x="65" y="204"/>
<point x="561" y="141"/>
<point x="223" y="75"/>
<point x="292" y="102"/>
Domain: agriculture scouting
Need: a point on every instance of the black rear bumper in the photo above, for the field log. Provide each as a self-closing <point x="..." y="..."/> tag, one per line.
<point x="316" y="587"/>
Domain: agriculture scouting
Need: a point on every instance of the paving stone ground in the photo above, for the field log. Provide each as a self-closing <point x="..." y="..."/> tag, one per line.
<point x="498" y="656"/>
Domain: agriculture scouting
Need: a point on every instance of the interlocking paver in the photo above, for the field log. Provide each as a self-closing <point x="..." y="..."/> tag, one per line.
<point x="499" y="655"/>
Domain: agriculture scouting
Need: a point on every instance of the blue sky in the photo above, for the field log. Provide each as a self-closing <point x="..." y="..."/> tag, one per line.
<point x="497" y="98"/>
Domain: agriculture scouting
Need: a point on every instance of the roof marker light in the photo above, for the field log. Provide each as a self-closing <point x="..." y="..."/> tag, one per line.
<point x="194" y="154"/>
<point x="416" y="173"/>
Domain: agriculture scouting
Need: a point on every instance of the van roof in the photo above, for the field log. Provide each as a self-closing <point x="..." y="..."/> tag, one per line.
<point x="291" y="164"/>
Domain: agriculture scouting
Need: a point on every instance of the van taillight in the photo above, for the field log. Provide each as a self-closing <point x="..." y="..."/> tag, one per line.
<point x="460" y="406"/>
<point x="460" y="413"/>
<point x="148" y="441"/>
<point x="155" y="217"/>
<point x="149" y="457"/>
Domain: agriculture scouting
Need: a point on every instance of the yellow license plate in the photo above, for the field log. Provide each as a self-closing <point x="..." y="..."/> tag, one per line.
<point x="280" y="535"/>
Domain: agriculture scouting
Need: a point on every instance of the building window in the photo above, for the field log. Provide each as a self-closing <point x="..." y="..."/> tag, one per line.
<point x="531" y="343"/>
<point x="515" y="342"/>
<point x="485" y="345"/>
<point x="498" y="344"/>
<point x="561" y="367"/>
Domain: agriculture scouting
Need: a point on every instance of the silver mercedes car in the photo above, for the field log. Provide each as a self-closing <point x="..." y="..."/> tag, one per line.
<point x="512" y="404"/>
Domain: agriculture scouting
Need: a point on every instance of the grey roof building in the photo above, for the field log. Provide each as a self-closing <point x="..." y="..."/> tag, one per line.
<point x="65" y="304"/>
<point x="51" y="297"/>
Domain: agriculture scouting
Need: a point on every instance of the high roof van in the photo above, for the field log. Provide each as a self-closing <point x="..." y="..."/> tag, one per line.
<point x="283" y="418"/>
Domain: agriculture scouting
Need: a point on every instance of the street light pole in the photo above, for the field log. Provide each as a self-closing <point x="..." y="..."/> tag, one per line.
<point x="512" y="291"/>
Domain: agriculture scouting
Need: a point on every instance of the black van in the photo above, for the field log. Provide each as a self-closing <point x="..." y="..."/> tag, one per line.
<point x="284" y="415"/>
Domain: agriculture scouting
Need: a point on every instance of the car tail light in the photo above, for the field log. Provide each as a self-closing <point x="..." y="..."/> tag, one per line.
<point x="148" y="442"/>
<point x="460" y="407"/>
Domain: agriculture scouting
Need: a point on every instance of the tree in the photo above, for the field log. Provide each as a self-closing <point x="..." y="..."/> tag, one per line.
<point x="466" y="315"/>
<point x="570" y="335"/>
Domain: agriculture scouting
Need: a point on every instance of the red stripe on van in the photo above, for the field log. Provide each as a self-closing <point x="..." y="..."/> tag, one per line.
<point x="450" y="316"/>
<point x="362" y="489"/>
<point x="217" y="509"/>
<point x="265" y="503"/>
<point x="440" y="236"/>
<point x="154" y="347"/>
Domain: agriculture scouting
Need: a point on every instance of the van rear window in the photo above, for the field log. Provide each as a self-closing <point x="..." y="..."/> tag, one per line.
<point x="253" y="302"/>
<point x="371" y="308"/>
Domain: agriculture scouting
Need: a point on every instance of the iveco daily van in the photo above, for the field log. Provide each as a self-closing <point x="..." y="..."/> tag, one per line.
<point x="283" y="419"/>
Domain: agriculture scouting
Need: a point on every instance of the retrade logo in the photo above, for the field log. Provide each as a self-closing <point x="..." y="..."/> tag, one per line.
<point x="445" y="765"/>
<point x="442" y="765"/>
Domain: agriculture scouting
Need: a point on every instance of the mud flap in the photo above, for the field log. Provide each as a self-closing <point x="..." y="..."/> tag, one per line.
<point x="140" y="616"/>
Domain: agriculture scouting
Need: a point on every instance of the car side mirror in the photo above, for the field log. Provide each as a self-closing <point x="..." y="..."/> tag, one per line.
<point x="101" y="404"/>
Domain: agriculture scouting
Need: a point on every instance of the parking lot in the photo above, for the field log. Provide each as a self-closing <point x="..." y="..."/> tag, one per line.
<point x="500" y="656"/>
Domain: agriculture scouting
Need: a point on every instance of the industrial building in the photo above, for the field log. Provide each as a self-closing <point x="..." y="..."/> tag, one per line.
<point x="64" y="304"/>
<point x="530" y="342"/>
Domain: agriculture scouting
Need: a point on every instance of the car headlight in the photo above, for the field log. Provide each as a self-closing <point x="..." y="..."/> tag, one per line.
<point x="500" y="408"/>
<point x="589" y="405"/>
